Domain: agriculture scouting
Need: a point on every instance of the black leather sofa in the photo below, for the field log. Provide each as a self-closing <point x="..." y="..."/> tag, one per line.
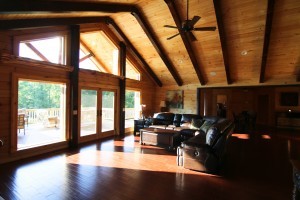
<point x="202" y="148"/>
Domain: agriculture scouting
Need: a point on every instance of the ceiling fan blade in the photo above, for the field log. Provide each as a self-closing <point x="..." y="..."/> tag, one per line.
<point x="169" y="26"/>
<point x="169" y="38"/>
<point x="191" y="36"/>
<point x="194" y="20"/>
<point x="205" y="29"/>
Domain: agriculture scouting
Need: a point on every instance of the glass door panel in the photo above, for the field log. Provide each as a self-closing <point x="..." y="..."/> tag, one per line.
<point x="108" y="111"/>
<point x="88" y="117"/>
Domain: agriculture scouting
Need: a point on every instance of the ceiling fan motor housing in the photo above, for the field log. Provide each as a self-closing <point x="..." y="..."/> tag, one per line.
<point x="186" y="26"/>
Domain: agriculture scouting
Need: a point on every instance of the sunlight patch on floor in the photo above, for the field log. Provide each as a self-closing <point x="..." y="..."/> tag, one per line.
<point x="242" y="136"/>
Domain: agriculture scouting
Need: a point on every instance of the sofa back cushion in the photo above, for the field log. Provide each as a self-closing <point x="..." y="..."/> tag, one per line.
<point x="177" y="120"/>
<point x="187" y="118"/>
<point x="216" y="131"/>
<point x="212" y="135"/>
<point x="205" y="126"/>
<point x="164" y="118"/>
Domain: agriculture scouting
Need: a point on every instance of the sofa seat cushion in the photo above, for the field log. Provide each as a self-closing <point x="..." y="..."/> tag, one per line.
<point x="198" y="140"/>
<point x="187" y="133"/>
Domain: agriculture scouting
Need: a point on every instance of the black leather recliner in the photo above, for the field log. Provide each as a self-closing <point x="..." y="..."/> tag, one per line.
<point x="205" y="151"/>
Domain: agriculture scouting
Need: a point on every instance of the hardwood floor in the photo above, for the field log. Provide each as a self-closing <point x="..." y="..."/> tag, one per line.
<point x="257" y="167"/>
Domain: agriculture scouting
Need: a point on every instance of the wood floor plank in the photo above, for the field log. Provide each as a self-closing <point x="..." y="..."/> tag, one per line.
<point x="257" y="167"/>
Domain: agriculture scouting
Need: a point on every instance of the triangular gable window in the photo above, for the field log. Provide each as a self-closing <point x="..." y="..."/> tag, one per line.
<point x="132" y="72"/>
<point x="100" y="50"/>
<point x="87" y="60"/>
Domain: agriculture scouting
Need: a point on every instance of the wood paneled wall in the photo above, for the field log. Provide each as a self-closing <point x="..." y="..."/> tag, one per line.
<point x="262" y="100"/>
<point x="189" y="98"/>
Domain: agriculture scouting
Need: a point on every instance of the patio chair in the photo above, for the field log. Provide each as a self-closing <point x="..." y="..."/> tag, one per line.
<point x="21" y="122"/>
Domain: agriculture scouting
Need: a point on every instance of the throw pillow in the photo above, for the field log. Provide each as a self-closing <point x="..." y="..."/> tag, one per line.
<point x="196" y="123"/>
<point x="205" y="126"/>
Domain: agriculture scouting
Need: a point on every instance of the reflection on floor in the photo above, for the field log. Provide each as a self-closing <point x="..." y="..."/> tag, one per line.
<point x="257" y="167"/>
<point x="38" y="134"/>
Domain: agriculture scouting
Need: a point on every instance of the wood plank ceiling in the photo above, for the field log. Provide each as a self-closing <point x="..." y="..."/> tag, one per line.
<point x="256" y="41"/>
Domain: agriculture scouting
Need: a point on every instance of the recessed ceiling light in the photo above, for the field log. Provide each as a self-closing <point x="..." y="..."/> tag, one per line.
<point x="213" y="73"/>
<point x="244" y="52"/>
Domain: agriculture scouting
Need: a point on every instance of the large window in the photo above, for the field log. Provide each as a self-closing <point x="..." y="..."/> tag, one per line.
<point x="41" y="117"/>
<point x="50" y="49"/>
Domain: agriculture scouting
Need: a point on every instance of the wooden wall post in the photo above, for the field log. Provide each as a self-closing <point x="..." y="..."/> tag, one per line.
<point x="122" y="67"/>
<point x="74" y="76"/>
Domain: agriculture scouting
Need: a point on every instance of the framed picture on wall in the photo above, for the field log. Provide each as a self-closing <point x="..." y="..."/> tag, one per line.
<point x="174" y="99"/>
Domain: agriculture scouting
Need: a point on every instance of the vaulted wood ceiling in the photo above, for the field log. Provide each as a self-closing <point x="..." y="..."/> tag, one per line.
<point x="256" y="41"/>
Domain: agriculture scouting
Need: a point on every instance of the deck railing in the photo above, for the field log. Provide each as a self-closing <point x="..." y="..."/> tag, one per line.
<point x="88" y="114"/>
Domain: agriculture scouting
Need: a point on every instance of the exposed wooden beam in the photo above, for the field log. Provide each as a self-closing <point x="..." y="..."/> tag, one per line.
<point x="36" y="51"/>
<point x="22" y="6"/>
<point x="162" y="53"/>
<point x="218" y="11"/>
<point x="268" y="29"/>
<point x="119" y="33"/>
<point x="185" y="40"/>
<point x="30" y="23"/>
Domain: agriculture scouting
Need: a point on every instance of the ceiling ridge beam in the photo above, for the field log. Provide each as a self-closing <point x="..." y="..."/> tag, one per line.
<point x="268" y="28"/>
<point x="34" y="22"/>
<point x="119" y="33"/>
<point x="222" y="34"/>
<point x="21" y="6"/>
<point x="162" y="53"/>
<point x="185" y="39"/>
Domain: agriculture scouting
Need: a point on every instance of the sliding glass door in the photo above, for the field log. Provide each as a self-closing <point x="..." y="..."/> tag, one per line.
<point x="41" y="118"/>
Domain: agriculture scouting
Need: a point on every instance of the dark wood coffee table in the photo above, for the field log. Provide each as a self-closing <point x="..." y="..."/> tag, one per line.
<point x="160" y="137"/>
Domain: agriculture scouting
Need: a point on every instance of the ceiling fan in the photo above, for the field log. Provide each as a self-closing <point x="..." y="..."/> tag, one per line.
<point x="188" y="26"/>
